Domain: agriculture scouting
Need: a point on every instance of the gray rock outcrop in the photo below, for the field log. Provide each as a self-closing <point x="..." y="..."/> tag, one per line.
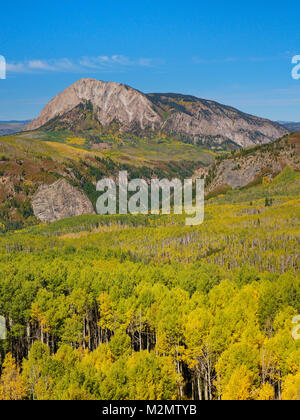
<point x="59" y="201"/>
<point x="111" y="102"/>
<point x="250" y="167"/>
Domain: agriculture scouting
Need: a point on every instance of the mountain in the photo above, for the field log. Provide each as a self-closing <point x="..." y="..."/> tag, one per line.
<point x="209" y="122"/>
<point x="109" y="102"/>
<point x="291" y="126"/>
<point x="107" y="107"/>
<point x="10" y="127"/>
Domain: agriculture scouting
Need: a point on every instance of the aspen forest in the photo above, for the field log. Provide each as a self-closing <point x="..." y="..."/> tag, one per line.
<point x="144" y="307"/>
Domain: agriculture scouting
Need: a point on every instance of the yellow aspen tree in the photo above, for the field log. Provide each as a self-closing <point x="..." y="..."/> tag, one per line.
<point x="240" y="385"/>
<point x="12" y="385"/>
<point x="265" y="393"/>
<point x="291" y="388"/>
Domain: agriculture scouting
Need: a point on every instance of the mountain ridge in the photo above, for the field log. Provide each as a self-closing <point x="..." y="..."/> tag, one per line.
<point x="10" y="127"/>
<point x="186" y="117"/>
<point x="290" y="125"/>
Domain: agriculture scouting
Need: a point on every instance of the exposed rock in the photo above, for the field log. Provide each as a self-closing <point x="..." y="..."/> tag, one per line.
<point x="58" y="201"/>
<point x="101" y="146"/>
<point x="131" y="111"/>
<point x="240" y="174"/>
<point x="248" y="167"/>
<point x="111" y="102"/>
<point x="211" y="123"/>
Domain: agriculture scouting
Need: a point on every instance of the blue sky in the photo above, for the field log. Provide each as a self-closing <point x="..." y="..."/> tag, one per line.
<point x="237" y="53"/>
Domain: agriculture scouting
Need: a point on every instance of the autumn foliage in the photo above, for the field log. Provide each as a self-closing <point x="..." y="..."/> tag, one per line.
<point x="146" y="308"/>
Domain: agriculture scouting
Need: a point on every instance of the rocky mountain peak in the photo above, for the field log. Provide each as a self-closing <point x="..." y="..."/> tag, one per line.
<point x="185" y="117"/>
<point x="111" y="102"/>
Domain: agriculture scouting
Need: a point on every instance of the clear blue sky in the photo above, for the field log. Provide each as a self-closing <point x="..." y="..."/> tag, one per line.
<point x="237" y="53"/>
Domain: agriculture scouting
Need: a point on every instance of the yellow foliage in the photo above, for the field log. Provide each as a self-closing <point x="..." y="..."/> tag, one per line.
<point x="266" y="181"/>
<point x="76" y="140"/>
<point x="12" y="385"/>
<point x="265" y="393"/>
<point x="291" y="388"/>
<point x="240" y="385"/>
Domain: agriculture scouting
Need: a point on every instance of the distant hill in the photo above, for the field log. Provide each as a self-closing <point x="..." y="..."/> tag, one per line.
<point x="10" y="127"/>
<point x="291" y="126"/>
<point x="252" y="166"/>
<point x="115" y="108"/>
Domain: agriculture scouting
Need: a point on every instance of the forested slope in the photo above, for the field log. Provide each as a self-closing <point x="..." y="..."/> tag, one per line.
<point x="144" y="307"/>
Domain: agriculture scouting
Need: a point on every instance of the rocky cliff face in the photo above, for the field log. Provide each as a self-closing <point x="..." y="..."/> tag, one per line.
<point x="211" y="123"/>
<point x="112" y="102"/>
<point x="58" y="201"/>
<point x="189" y="118"/>
<point x="245" y="168"/>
